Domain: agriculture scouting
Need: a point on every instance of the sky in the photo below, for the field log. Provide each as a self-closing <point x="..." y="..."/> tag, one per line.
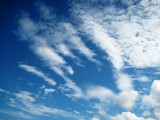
<point x="80" y="60"/>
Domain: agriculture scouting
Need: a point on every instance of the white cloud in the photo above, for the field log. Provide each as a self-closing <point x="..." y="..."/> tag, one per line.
<point x="26" y="102"/>
<point x="104" y="41"/>
<point x="129" y="36"/>
<point x="124" y="82"/>
<point x="5" y="91"/>
<point x="25" y="96"/>
<point x="155" y="89"/>
<point x="64" y="49"/>
<point x="152" y="100"/>
<point x="16" y="114"/>
<point x="146" y="113"/>
<point x="88" y="111"/>
<point x="74" y="39"/>
<point x="127" y="99"/>
<point x="55" y="62"/>
<point x="102" y="110"/>
<point x="47" y="91"/>
<point x="38" y="73"/>
<point x="95" y="118"/>
<point x="157" y="113"/>
<point x="99" y="92"/>
<point x="128" y="116"/>
<point x="149" y="101"/>
<point x="143" y="79"/>
<point x="72" y="88"/>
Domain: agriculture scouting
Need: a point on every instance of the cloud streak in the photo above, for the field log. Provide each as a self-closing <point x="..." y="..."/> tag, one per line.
<point x="40" y="74"/>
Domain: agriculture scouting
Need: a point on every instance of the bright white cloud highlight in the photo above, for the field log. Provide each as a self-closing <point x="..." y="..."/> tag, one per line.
<point x="127" y="99"/>
<point x="128" y="116"/>
<point x="47" y="91"/>
<point x="99" y="92"/>
<point x="153" y="99"/>
<point x="124" y="82"/>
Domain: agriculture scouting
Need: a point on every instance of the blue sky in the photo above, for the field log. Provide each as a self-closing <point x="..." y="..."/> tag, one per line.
<point x="78" y="60"/>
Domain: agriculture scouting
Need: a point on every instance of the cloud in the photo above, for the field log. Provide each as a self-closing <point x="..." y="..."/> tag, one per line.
<point x="102" y="40"/>
<point x="127" y="99"/>
<point x="47" y="91"/>
<point x="128" y="116"/>
<point x="56" y="62"/>
<point x="74" y="39"/>
<point x="52" y="46"/>
<point x="16" y="114"/>
<point x="128" y="35"/>
<point x="25" y="96"/>
<point x="26" y="102"/>
<point x="124" y="82"/>
<point x="71" y="89"/>
<point x="38" y="73"/>
<point x="95" y="118"/>
<point x="99" y="92"/>
<point x="5" y="91"/>
<point x="146" y="113"/>
<point x="152" y="100"/>
<point x="142" y="79"/>
<point x="155" y="89"/>
<point x="157" y="113"/>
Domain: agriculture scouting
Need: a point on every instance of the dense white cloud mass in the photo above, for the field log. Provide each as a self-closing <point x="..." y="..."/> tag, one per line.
<point x="157" y="113"/>
<point x="128" y="36"/>
<point x="38" y="73"/>
<point x="99" y="92"/>
<point x="155" y="89"/>
<point x="153" y="100"/>
<point x="127" y="99"/>
<point x="128" y="116"/>
<point x="124" y="82"/>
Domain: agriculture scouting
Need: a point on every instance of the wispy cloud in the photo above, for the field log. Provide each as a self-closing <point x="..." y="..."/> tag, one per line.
<point x="16" y="114"/>
<point x="26" y="102"/>
<point x="5" y="91"/>
<point x="128" y="36"/>
<point x="38" y="73"/>
<point x="47" y="91"/>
